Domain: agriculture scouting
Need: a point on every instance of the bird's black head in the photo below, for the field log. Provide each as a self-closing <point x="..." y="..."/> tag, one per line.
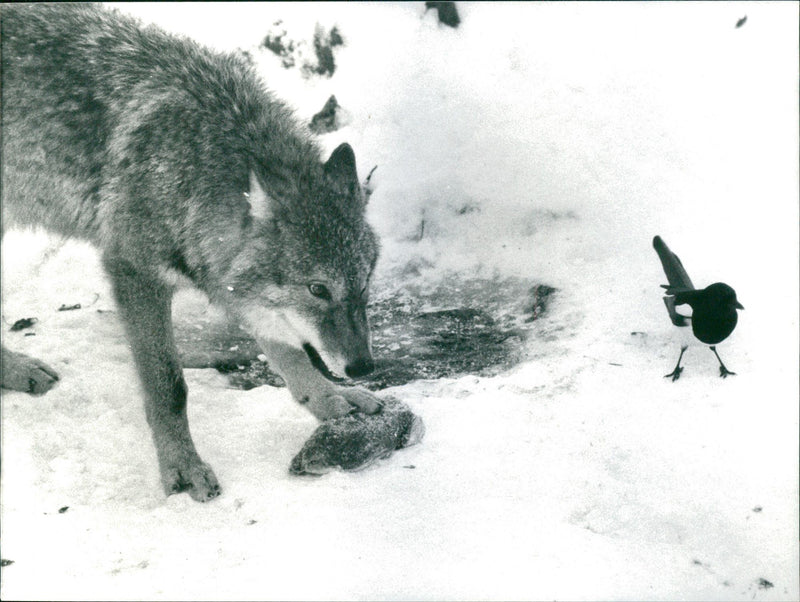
<point x="722" y="295"/>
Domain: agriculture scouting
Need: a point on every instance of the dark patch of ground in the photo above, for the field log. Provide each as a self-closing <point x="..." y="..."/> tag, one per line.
<point x="204" y="342"/>
<point x="250" y="374"/>
<point x="458" y="327"/>
<point x="294" y="53"/>
<point x="453" y="328"/>
<point x="279" y="44"/>
<point x="324" y="43"/>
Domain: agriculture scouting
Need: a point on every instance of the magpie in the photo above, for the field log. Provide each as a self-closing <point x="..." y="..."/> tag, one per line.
<point x="714" y="308"/>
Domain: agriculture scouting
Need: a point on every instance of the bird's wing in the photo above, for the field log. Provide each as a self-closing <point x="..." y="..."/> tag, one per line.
<point x="679" y="280"/>
<point x="691" y="297"/>
<point x="677" y="319"/>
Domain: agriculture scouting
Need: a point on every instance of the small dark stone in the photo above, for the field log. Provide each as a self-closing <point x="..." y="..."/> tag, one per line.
<point x="448" y="14"/>
<point x="63" y="509"/>
<point x="325" y="121"/>
<point x="23" y="324"/>
<point x="539" y="298"/>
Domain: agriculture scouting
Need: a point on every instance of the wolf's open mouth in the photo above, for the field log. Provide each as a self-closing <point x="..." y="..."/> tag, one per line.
<point x="320" y="365"/>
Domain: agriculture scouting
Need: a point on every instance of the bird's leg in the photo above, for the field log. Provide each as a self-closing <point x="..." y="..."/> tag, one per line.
<point x="676" y="373"/>
<point x="723" y="371"/>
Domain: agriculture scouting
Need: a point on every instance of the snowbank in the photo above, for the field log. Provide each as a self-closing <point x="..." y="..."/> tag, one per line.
<point x="547" y="141"/>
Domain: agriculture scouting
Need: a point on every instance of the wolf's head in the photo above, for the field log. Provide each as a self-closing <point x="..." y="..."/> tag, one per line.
<point x="302" y="277"/>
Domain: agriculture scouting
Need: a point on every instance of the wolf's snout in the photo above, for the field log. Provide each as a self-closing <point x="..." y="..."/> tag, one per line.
<point x="359" y="368"/>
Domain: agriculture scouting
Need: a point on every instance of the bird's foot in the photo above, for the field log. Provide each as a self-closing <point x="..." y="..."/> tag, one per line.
<point x="723" y="371"/>
<point x="675" y="374"/>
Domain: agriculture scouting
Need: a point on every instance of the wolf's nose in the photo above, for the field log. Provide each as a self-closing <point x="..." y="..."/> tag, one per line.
<point x="359" y="368"/>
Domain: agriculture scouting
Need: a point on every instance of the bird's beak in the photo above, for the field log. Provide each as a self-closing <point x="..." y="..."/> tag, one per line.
<point x="739" y="305"/>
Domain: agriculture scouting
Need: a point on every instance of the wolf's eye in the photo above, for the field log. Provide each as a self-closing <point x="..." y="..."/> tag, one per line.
<point x="319" y="290"/>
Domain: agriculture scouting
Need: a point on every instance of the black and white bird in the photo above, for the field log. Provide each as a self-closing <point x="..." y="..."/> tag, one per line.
<point x="714" y="308"/>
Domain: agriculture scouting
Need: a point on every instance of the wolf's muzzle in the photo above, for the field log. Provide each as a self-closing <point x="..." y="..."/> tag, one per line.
<point x="359" y="368"/>
<point x="319" y="364"/>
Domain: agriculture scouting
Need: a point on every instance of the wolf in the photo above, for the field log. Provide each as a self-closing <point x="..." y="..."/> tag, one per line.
<point x="180" y="166"/>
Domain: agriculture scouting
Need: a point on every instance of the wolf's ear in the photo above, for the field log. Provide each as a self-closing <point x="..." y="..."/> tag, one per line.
<point x="260" y="203"/>
<point x="341" y="168"/>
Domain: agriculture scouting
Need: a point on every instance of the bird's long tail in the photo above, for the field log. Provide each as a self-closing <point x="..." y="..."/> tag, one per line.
<point x="679" y="280"/>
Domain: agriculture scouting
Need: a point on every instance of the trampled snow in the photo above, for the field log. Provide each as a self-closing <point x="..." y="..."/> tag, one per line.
<point x="546" y="141"/>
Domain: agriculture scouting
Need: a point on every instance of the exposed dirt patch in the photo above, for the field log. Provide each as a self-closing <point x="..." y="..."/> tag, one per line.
<point x="208" y="342"/>
<point x="297" y="53"/>
<point x="453" y="328"/>
<point x="250" y="374"/>
<point x="458" y="327"/>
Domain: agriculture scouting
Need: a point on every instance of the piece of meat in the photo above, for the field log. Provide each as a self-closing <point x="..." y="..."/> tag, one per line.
<point x="357" y="440"/>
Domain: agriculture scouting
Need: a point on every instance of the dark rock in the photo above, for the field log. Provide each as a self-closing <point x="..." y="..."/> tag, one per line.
<point x="23" y="323"/>
<point x="448" y="14"/>
<point x="326" y="120"/>
<point x="539" y="298"/>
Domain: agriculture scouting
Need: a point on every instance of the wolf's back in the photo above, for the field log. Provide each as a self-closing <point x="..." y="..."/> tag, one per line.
<point x="99" y="111"/>
<point x="81" y="49"/>
<point x="83" y="64"/>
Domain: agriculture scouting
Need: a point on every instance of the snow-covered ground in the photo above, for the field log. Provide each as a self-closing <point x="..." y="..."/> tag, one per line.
<point x="574" y="133"/>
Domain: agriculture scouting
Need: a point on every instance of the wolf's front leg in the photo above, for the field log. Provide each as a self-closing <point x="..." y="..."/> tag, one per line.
<point x="323" y="398"/>
<point x="21" y="372"/>
<point x="145" y="306"/>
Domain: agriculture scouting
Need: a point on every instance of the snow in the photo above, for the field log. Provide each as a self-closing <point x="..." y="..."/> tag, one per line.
<point x="575" y="132"/>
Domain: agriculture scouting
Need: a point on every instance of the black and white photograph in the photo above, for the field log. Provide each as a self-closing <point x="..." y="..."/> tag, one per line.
<point x="400" y="301"/>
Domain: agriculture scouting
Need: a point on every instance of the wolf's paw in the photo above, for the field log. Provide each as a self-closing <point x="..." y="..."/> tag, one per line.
<point x="328" y="407"/>
<point x="342" y="401"/>
<point x="360" y="400"/>
<point x="21" y="372"/>
<point x="195" y="477"/>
